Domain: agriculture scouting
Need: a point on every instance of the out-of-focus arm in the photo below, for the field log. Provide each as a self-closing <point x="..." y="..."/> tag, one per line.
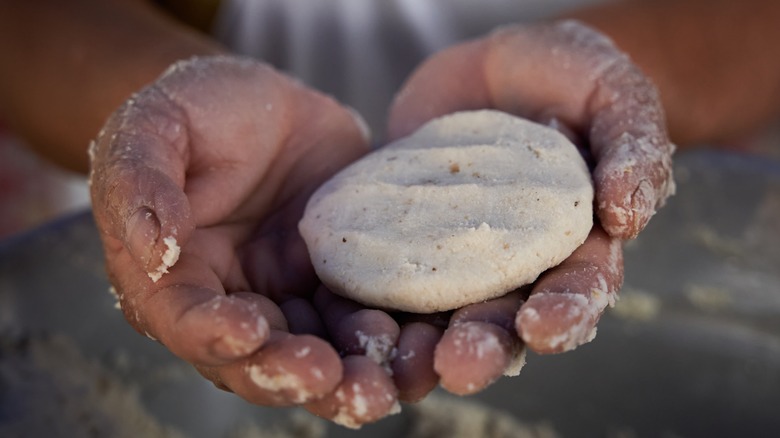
<point x="64" y="67"/>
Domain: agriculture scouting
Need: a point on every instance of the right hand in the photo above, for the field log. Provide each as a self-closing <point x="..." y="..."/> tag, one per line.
<point x="218" y="157"/>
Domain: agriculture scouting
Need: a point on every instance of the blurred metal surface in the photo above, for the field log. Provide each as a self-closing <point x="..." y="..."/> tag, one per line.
<point x="692" y="350"/>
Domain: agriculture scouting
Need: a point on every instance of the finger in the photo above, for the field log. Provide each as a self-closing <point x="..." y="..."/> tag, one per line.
<point x="138" y="170"/>
<point x="212" y="374"/>
<point x="588" y="83"/>
<point x="189" y="311"/>
<point x="253" y="127"/>
<point x="302" y="318"/>
<point x="356" y="330"/>
<point x="629" y="140"/>
<point x="288" y="370"/>
<point x="479" y="346"/>
<point x="567" y="302"/>
<point x="365" y="394"/>
<point x="205" y="327"/>
<point x="412" y="366"/>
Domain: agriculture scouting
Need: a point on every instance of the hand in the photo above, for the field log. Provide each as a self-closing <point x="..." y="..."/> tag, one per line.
<point x="217" y="158"/>
<point x="573" y="78"/>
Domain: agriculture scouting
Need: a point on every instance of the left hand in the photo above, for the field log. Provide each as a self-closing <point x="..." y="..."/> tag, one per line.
<point x="573" y="78"/>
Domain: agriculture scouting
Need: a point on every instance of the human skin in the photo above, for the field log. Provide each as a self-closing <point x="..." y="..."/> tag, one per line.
<point x="599" y="98"/>
<point x="712" y="60"/>
<point x="58" y="93"/>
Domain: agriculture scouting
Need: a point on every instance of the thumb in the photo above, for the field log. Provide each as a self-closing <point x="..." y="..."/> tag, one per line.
<point x="137" y="177"/>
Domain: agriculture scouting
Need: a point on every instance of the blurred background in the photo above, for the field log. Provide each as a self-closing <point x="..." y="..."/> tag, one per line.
<point x="691" y="350"/>
<point x="32" y="190"/>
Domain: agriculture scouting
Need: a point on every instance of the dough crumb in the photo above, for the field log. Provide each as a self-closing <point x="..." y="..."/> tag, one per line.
<point x="517" y="364"/>
<point x="169" y="258"/>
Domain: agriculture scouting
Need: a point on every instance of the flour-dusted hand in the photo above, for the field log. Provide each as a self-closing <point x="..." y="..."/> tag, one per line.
<point x="198" y="183"/>
<point x="571" y="77"/>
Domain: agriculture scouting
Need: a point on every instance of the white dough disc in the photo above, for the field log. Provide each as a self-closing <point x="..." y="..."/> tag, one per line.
<point x="471" y="206"/>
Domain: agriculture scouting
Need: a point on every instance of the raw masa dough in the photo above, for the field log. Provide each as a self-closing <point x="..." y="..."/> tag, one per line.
<point x="471" y="206"/>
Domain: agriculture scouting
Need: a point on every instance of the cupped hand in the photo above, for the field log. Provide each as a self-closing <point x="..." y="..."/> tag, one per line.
<point x="571" y="77"/>
<point x="197" y="184"/>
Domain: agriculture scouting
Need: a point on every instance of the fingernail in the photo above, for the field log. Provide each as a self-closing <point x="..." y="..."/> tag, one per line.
<point x="642" y="205"/>
<point x="141" y="234"/>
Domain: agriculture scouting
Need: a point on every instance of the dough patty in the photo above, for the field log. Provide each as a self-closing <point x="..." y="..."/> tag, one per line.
<point x="469" y="207"/>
